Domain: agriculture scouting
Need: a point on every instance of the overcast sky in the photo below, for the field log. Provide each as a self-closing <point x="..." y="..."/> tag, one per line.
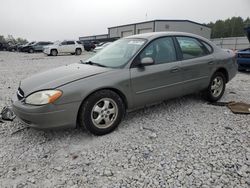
<point x="69" y="19"/>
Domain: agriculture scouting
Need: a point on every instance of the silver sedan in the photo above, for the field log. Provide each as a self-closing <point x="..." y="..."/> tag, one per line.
<point x="130" y="73"/>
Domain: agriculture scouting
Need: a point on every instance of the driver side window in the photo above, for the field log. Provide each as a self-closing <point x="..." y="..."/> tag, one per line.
<point x="161" y="50"/>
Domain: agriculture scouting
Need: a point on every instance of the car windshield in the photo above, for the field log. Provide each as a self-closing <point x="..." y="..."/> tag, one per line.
<point x="118" y="53"/>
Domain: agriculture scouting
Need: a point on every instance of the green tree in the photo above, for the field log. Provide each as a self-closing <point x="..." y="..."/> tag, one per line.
<point x="2" y="39"/>
<point x="231" y="27"/>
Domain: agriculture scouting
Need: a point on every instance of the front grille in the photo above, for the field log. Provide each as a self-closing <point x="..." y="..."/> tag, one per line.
<point x="20" y="94"/>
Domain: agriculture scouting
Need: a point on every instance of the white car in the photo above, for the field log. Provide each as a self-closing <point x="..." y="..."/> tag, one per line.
<point x="67" y="46"/>
<point x="101" y="46"/>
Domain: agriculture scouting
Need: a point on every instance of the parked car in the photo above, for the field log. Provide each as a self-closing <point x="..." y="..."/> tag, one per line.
<point x="89" y="46"/>
<point x="13" y="47"/>
<point x="4" y="46"/>
<point x="21" y="48"/>
<point x="243" y="59"/>
<point x="36" y="47"/>
<point x="243" y="56"/>
<point x="67" y="46"/>
<point x="129" y="73"/>
<point x="100" y="46"/>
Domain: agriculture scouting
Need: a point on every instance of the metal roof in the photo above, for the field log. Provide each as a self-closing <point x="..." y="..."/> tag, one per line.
<point x="160" y="21"/>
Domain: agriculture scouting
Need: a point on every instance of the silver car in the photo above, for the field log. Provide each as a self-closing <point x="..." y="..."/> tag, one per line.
<point x="130" y="73"/>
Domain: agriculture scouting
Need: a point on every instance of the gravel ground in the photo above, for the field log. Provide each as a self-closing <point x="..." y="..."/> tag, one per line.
<point x="179" y="143"/>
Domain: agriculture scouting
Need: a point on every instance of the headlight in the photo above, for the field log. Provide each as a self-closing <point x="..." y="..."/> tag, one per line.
<point x="43" y="97"/>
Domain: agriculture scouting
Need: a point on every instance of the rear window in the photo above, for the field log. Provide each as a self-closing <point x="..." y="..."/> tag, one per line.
<point x="191" y="47"/>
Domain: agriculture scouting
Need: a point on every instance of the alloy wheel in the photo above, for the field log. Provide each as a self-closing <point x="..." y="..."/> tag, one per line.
<point x="104" y="113"/>
<point x="217" y="86"/>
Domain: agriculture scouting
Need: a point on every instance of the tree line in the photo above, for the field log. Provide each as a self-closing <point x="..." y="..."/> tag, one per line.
<point x="231" y="27"/>
<point x="10" y="39"/>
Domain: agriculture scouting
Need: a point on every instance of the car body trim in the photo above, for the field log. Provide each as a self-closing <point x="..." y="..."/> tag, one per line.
<point x="169" y="85"/>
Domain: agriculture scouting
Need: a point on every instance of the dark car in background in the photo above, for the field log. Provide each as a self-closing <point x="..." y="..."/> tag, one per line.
<point x="36" y="47"/>
<point x="243" y="59"/>
<point x="89" y="45"/>
<point x="4" y="46"/>
<point x="13" y="47"/>
<point x="22" y="47"/>
<point x="243" y="56"/>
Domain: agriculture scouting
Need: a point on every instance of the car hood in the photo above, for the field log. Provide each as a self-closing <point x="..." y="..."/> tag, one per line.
<point x="59" y="76"/>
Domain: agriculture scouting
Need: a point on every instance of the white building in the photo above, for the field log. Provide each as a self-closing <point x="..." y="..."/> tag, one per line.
<point x="160" y="25"/>
<point x="152" y="26"/>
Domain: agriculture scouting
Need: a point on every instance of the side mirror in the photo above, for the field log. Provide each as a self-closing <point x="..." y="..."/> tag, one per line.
<point x="147" y="61"/>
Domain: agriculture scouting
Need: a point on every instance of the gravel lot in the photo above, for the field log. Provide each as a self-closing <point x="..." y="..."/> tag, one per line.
<point x="180" y="143"/>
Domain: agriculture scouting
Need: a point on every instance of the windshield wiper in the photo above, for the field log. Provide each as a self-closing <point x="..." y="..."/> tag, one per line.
<point x="92" y="63"/>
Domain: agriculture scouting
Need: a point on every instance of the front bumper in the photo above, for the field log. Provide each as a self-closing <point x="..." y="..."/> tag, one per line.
<point x="46" y="116"/>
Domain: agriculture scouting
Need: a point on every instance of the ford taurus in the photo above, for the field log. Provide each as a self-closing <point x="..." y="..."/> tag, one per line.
<point x="130" y="73"/>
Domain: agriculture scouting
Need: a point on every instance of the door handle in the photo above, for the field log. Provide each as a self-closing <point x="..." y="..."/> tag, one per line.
<point x="210" y="62"/>
<point x="175" y="69"/>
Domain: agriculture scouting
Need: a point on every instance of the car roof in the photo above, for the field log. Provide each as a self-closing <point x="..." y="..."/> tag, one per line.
<point x="153" y="35"/>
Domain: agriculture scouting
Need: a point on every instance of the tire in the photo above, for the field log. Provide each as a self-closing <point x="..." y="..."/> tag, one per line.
<point x="101" y="112"/>
<point x="216" y="87"/>
<point x="31" y="50"/>
<point x="53" y="52"/>
<point x="78" y="51"/>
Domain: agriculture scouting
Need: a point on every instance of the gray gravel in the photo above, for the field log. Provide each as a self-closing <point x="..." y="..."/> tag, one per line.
<point x="179" y="143"/>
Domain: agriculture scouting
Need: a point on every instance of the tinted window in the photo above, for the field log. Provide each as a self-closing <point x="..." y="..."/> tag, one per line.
<point x="44" y="43"/>
<point x="64" y="43"/>
<point x="161" y="50"/>
<point x="70" y="42"/>
<point x="191" y="47"/>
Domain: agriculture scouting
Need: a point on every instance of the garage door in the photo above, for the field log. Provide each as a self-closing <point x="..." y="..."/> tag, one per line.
<point x="148" y="30"/>
<point x="127" y="33"/>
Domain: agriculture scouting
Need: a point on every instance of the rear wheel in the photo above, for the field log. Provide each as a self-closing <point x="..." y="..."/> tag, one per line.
<point x="31" y="50"/>
<point x="53" y="52"/>
<point x="216" y="87"/>
<point x="101" y="112"/>
<point x="78" y="51"/>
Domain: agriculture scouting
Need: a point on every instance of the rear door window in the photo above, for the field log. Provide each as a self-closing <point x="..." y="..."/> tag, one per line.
<point x="191" y="47"/>
<point x="70" y="42"/>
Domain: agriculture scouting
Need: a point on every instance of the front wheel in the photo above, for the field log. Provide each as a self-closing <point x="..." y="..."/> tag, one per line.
<point x="216" y="87"/>
<point x="101" y="112"/>
<point x="54" y="52"/>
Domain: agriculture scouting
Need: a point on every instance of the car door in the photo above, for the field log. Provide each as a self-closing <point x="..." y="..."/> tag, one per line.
<point x="37" y="46"/>
<point x="70" y="46"/>
<point x="197" y="63"/>
<point x="159" y="81"/>
<point x="62" y="48"/>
